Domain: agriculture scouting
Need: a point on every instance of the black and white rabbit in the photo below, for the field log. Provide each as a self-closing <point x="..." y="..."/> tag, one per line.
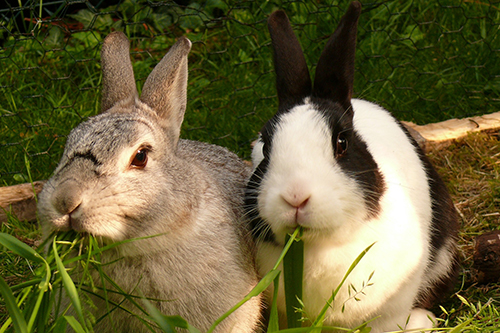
<point x="125" y="174"/>
<point x="349" y="173"/>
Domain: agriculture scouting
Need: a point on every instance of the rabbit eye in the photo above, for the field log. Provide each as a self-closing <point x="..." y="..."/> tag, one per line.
<point x="140" y="159"/>
<point x="341" y="146"/>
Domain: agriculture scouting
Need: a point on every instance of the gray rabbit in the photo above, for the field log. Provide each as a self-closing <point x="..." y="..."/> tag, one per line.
<point x="125" y="174"/>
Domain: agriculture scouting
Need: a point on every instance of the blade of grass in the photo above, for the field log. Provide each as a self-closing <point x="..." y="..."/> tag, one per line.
<point x="45" y="313"/>
<point x="42" y="289"/>
<point x="274" y="325"/>
<point x="34" y="312"/>
<point x="126" y="297"/>
<point x="259" y="288"/>
<point x="105" y="248"/>
<point x="293" y="267"/>
<point x="18" y="247"/>
<point x="26" y="284"/>
<point x="116" y="306"/>
<point x="324" y="329"/>
<point x="293" y="237"/>
<point x="6" y="325"/>
<point x="180" y="322"/>
<point x="169" y="323"/>
<point x="75" y="324"/>
<point x="261" y="285"/>
<point x="23" y="295"/>
<point x="15" y="313"/>
<point x="27" y="252"/>
<point x="461" y="327"/>
<point x="321" y="317"/>
<point x="30" y="179"/>
<point x="60" y="325"/>
<point x="159" y="319"/>
<point x="69" y="286"/>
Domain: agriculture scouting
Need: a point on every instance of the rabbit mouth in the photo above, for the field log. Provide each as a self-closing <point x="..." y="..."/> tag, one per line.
<point x="298" y="216"/>
<point x="76" y="225"/>
<point x="88" y="225"/>
<point x="305" y="229"/>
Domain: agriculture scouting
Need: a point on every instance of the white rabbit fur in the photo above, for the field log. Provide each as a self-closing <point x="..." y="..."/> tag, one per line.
<point x="303" y="180"/>
<point x="188" y="195"/>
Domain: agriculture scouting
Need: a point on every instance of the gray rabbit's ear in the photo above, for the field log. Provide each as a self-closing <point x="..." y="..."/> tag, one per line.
<point x="165" y="88"/>
<point x="117" y="73"/>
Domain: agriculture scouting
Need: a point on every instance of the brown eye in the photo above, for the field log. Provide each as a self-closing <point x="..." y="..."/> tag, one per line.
<point x="341" y="146"/>
<point x="140" y="159"/>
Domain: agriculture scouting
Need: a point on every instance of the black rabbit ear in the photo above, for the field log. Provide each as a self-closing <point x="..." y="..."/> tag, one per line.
<point x="293" y="82"/>
<point x="335" y="71"/>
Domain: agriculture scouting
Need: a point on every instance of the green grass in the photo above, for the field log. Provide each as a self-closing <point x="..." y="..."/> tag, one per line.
<point x="27" y="306"/>
<point x="424" y="61"/>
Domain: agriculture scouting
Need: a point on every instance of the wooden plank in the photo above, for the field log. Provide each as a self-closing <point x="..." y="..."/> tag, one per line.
<point x="443" y="133"/>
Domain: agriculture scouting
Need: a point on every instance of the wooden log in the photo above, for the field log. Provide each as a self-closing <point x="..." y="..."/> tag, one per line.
<point x="19" y="200"/>
<point x="441" y="134"/>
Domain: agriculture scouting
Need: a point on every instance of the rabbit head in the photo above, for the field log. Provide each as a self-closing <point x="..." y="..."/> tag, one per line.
<point x="311" y="141"/>
<point x="118" y="173"/>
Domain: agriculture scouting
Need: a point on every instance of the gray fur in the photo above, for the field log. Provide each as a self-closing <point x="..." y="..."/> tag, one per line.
<point x="190" y="195"/>
<point x="117" y="73"/>
<point x="165" y="89"/>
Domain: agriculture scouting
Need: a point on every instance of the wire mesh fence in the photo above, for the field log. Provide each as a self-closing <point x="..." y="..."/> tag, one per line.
<point x="426" y="61"/>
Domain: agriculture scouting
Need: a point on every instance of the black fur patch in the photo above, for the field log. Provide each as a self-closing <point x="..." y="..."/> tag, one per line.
<point x="88" y="156"/>
<point x="260" y="229"/>
<point x="357" y="162"/>
<point x="444" y="226"/>
<point x="444" y="223"/>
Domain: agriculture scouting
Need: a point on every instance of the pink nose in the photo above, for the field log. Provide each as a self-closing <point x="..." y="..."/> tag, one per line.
<point x="296" y="201"/>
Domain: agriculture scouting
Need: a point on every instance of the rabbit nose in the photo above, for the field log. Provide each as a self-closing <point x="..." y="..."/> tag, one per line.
<point x="67" y="197"/>
<point x="296" y="200"/>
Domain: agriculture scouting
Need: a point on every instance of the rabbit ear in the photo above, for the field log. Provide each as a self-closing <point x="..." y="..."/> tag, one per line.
<point x="166" y="86"/>
<point x="335" y="71"/>
<point x="117" y="73"/>
<point x="293" y="82"/>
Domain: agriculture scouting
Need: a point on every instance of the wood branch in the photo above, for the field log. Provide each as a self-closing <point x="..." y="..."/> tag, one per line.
<point x="441" y="134"/>
<point x="19" y="201"/>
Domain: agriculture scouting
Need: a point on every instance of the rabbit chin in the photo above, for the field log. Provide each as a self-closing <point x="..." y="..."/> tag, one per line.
<point x="108" y="233"/>
<point x="109" y="228"/>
